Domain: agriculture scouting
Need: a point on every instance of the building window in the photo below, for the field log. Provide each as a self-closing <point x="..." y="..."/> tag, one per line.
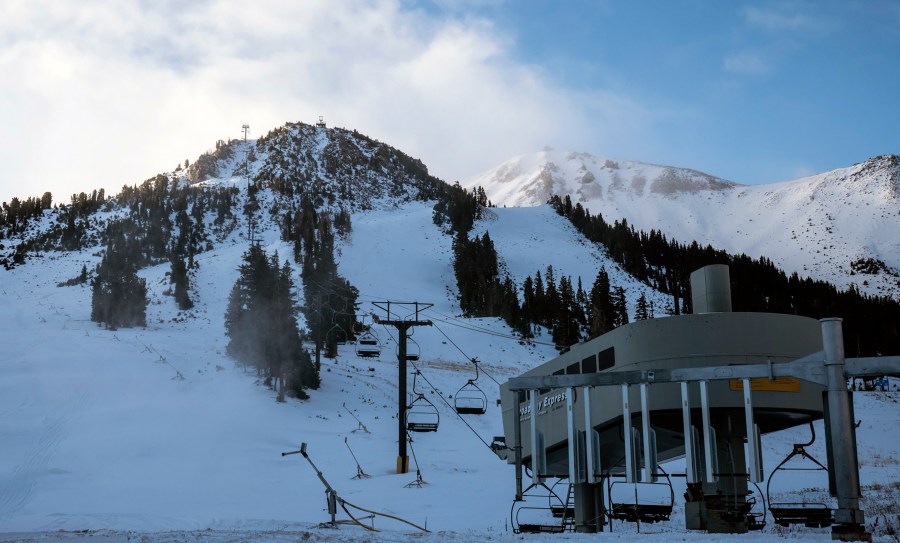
<point x="607" y="358"/>
<point x="589" y="364"/>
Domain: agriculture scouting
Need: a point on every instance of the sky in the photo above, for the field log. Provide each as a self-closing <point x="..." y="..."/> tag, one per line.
<point x="101" y="94"/>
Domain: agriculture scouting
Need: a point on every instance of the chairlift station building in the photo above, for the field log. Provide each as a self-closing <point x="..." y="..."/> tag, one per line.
<point x="622" y="402"/>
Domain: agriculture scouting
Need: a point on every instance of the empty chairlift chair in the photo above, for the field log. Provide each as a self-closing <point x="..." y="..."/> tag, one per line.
<point x="470" y="399"/>
<point x="544" y="509"/>
<point x="412" y="350"/>
<point x="644" y="502"/>
<point x="367" y="345"/>
<point x="810" y="514"/>
<point x="421" y="414"/>
<point x="336" y="334"/>
<point x="648" y="501"/>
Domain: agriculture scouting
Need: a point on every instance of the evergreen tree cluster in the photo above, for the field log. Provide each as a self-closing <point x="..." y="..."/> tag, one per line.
<point x="457" y="209"/>
<point x="261" y="324"/>
<point x="350" y="168"/>
<point x="118" y="295"/>
<point x="14" y="218"/>
<point x="151" y="206"/>
<point x="329" y="299"/>
<point x="16" y="214"/>
<point x="570" y="313"/>
<point x="482" y="293"/>
<point x="871" y="323"/>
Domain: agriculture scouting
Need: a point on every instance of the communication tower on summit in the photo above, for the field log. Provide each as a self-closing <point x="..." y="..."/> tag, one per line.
<point x="321" y="123"/>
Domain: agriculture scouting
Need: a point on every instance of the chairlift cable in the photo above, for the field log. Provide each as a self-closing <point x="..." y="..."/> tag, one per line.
<point x="446" y="319"/>
<point x="441" y="396"/>
<point x="492" y="333"/>
<point x="465" y="355"/>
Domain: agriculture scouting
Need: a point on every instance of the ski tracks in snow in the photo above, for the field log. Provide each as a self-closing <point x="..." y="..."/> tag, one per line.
<point x="18" y="490"/>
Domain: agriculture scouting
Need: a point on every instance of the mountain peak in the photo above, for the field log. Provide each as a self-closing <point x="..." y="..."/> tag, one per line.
<point x="326" y="164"/>
<point x="530" y="180"/>
<point x="817" y="225"/>
<point x="881" y="172"/>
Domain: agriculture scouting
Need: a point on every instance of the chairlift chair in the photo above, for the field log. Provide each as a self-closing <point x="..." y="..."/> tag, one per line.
<point x="640" y="509"/>
<point x="542" y="510"/>
<point x="562" y="508"/>
<point x="756" y="518"/>
<point x="810" y="514"/>
<point x="412" y="349"/>
<point x="367" y="345"/>
<point x="338" y="333"/>
<point x="470" y="399"/>
<point x="421" y="414"/>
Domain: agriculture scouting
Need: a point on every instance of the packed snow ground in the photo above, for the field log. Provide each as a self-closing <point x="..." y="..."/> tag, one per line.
<point x="156" y="435"/>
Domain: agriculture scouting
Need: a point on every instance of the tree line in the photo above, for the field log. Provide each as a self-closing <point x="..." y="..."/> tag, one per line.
<point x="561" y="305"/>
<point x="871" y="323"/>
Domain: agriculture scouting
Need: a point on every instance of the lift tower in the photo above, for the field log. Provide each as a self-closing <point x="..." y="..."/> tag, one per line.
<point x="403" y="325"/>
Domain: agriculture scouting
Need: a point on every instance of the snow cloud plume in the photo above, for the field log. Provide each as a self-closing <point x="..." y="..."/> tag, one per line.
<point x="102" y="94"/>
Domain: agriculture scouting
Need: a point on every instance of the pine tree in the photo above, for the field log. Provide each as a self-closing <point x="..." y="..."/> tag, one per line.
<point x="118" y="295"/>
<point x="641" y="311"/>
<point x="262" y="326"/>
<point x="601" y="313"/>
<point x="620" y="307"/>
<point x="179" y="277"/>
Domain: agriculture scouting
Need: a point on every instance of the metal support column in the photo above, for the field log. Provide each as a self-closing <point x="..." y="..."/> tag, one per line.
<point x="754" y="462"/>
<point x="707" y="433"/>
<point x="646" y="445"/>
<point x="517" y="446"/>
<point x="571" y="436"/>
<point x="689" y="451"/>
<point x="845" y="470"/>
<point x="402" y="458"/>
<point x="589" y="451"/>
<point x="403" y="327"/>
<point x="626" y="434"/>
<point x="535" y="455"/>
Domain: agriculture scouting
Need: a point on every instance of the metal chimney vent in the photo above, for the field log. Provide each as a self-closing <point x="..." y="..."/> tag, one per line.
<point x="711" y="289"/>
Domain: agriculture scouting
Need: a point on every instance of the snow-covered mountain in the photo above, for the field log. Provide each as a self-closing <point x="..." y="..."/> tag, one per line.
<point x="150" y="432"/>
<point x="841" y="226"/>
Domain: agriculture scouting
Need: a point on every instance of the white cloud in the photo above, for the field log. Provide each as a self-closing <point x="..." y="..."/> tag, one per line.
<point x="106" y="93"/>
<point x="746" y="63"/>
<point x="782" y="18"/>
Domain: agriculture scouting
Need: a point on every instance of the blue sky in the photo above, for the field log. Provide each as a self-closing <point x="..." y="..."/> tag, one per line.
<point x="98" y="94"/>
<point x="751" y="91"/>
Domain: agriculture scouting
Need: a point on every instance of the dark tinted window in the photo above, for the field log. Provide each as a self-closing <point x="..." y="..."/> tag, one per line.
<point x="573" y="368"/>
<point x="589" y="364"/>
<point x="607" y="358"/>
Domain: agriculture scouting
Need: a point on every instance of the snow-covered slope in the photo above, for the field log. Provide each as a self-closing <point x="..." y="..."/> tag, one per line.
<point x="817" y="226"/>
<point x="156" y="429"/>
<point x="154" y="434"/>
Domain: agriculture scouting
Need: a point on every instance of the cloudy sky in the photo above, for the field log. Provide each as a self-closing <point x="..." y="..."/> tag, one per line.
<point x="102" y="93"/>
